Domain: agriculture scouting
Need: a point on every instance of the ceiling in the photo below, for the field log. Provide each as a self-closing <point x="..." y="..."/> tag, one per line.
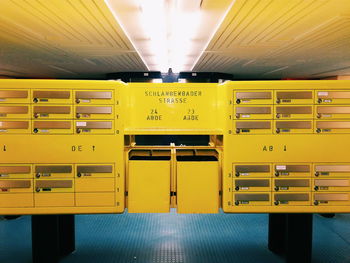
<point x="252" y="39"/>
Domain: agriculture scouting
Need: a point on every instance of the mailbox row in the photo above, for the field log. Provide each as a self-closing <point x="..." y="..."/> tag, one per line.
<point x="290" y="126"/>
<point x="292" y="97"/>
<point x="319" y="170"/>
<point x="57" y="96"/>
<point x="57" y="127"/>
<point x="292" y="112"/>
<point x="22" y="111"/>
<point x="292" y="199"/>
<point x="56" y="185"/>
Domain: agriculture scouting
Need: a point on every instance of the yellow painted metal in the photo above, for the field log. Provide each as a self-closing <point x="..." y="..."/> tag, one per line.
<point x="197" y="187"/>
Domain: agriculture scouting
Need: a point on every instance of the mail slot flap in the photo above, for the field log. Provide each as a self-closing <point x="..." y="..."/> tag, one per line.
<point x="13" y="94"/>
<point x="293" y="124"/>
<point x="252" y="168"/>
<point x="52" y="109"/>
<point x="332" y="197"/>
<point x="94" y="168"/>
<point x="14" y="124"/>
<point x="197" y="155"/>
<point x="294" y="94"/>
<point x="253" y="125"/>
<point x="293" y="109"/>
<point x="93" y="94"/>
<point x="333" y="94"/>
<point x="53" y="94"/>
<point x="6" y="184"/>
<point x="252" y="197"/>
<point x="293" y="168"/>
<point x="253" y="95"/>
<point x="93" y="110"/>
<point x="332" y="182"/>
<point x="14" y="109"/>
<point x="333" y="168"/>
<point x="292" y="182"/>
<point x="14" y="169"/>
<point x="53" y="169"/>
<point x="333" y="109"/>
<point x="94" y="124"/>
<point x="252" y="183"/>
<point x="52" y="124"/>
<point x="149" y="155"/>
<point x="291" y="197"/>
<point x="253" y="110"/>
<point x="333" y="124"/>
<point x="54" y="183"/>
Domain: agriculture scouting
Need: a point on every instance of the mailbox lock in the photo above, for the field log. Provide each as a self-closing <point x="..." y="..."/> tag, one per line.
<point x="35" y="100"/>
<point x="37" y="175"/>
<point x="276" y="203"/>
<point x="79" y="174"/>
<point x="37" y="189"/>
<point x="318" y="115"/>
<point x="278" y="130"/>
<point x="35" y="130"/>
<point x="316" y="203"/>
<point x="237" y="174"/>
<point x="277" y="174"/>
<point x="237" y="188"/>
<point x="278" y="101"/>
<point x="316" y="188"/>
<point x="317" y="173"/>
<point x="238" y="101"/>
<point x="78" y="130"/>
<point x="238" y="130"/>
<point x="236" y="202"/>
<point x="278" y="115"/>
<point x="36" y="115"/>
<point x="318" y="130"/>
<point x="276" y="188"/>
<point x="319" y="101"/>
<point x="77" y="101"/>
<point x="237" y="115"/>
<point x="78" y="115"/>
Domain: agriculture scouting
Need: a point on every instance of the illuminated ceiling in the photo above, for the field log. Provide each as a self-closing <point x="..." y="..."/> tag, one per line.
<point x="251" y="39"/>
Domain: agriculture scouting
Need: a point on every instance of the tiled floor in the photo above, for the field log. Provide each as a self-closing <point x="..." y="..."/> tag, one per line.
<point x="172" y="238"/>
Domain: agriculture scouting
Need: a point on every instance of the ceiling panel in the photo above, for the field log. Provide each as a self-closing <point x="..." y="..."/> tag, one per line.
<point x="272" y="39"/>
<point x="63" y="39"/>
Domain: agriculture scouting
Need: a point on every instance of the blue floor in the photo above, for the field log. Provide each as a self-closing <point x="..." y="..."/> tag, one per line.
<point x="172" y="238"/>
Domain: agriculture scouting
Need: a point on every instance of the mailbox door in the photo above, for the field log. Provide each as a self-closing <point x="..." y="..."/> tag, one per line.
<point x="14" y="111"/>
<point x="252" y="127"/>
<point x="251" y="185"/>
<point x="324" y="170"/>
<point x="331" y="185"/>
<point x="332" y="97"/>
<point x="244" y="112"/>
<point x="52" y="96"/>
<point x="94" y="97"/>
<point x="9" y="186"/>
<point x="53" y="171"/>
<point x="52" y="112"/>
<point x="13" y="126"/>
<point x="15" y="171"/>
<point x="292" y="185"/>
<point x="251" y="97"/>
<point x="292" y="127"/>
<point x="14" y="96"/>
<point x="252" y="199"/>
<point x="294" y="97"/>
<point x="94" y="127"/>
<point x="17" y="200"/>
<point x="292" y="199"/>
<point x="52" y="127"/>
<point x="331" y="127"/>
<point x="293" y="112"/>
<point x="94" y="112"/>
<point x="332" y="112"/>
<point x="331" y="198"/>
<point x="292" y="170"/>
<point x="251" y="170"/>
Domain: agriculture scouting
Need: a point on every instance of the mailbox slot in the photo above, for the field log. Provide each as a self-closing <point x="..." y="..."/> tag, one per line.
<point x="253" y="112"/>
<point x="293" y="112"/>
<point x="339" y="198"/>
<point x="292" y="170"/>
<point x="294" y="97"/>
<point x="253" y="97"/>
<point x="94" y="127"/>
<point x="94" y="112"/>
<point x="149" y="181"/>
<point x="52" y="112"/>
<point x="252" y="127"/>
<point x="291" y="199"/>
<point x="52" y="96"/>
<point x="333" y="126"/>
<point x="333" y="112"/>
<point x="253" y="199"/>
<point x="52" y="127"/>
<point x="321" y="185"/>
<point x="294" y="185"/>
<point x="15" y="171"/>
<point x="252" y="185"/>
<point x="94" y="97"/>
<point x="14" y="111"/>
<point x="288" y="127"/>
<point x="14" y="126"/>
<point x="14" y="96"/>
<point x="332" y="170"/>
<point x="332" y="97"/>
<point x="197" y="181"/>
<point x="252" y="170"/>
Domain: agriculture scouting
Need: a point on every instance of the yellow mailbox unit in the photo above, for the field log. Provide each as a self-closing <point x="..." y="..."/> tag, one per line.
<point x="270" y="146"/>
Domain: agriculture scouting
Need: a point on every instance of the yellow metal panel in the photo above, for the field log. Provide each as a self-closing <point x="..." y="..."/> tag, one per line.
<point x="94" y="97"/>
<point x="52" y="127"/>
<point x="54" y="199"/>
<point x="14" y="95"/>
<point x="197" y="187"/>
<point x="14" y="171"/>
<point x="94" y="185"/>
<point x="149" y="186"/>
<point x="17" y="200"/>
<point x="95" y="199"/>
<point x="14" y="126"/>
<point x="15" y="111"/>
